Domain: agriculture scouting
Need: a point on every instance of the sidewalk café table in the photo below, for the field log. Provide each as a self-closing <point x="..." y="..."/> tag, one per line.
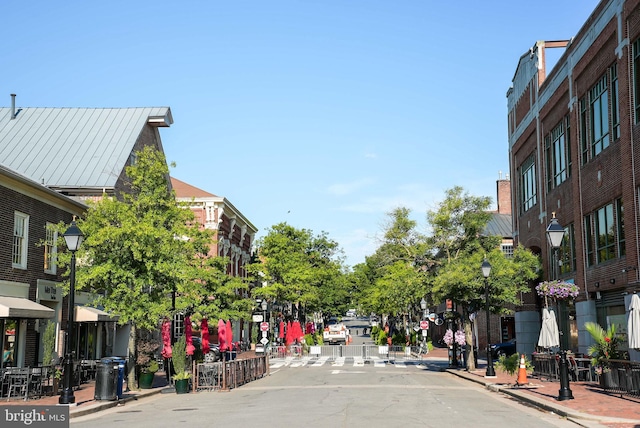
<point x="581" y="365"/>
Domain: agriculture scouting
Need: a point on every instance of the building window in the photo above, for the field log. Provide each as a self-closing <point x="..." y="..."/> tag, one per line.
<point x="604" y="233"/>
<point x="557" y="150"/>
<point x="622" y="248"/>
<point x="568" y="250"/>
<point x="588" y="238"/>
<point x="615" y="102"/>
<point x="599" y="118"/>
<point x="50" y="249"/>
<point x="597" y="112"/>
<point x="636" y="79"/>
<point x="20" y="239"/>
<point x="178" y="325"/>
<point x="507" y="250"/>
<point x="528" y="184"/>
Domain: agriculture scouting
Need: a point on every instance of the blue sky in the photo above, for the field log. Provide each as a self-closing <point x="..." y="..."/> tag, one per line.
<point x="323" y="114"/>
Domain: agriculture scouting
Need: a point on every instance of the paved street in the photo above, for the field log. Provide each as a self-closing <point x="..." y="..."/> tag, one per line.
<point x="329" y="396"/>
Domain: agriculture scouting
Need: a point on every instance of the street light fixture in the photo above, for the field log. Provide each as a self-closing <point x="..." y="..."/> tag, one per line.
<point x="486" y="271"/>
<point x="73" y="237"/>
<point x="555" y="235"/>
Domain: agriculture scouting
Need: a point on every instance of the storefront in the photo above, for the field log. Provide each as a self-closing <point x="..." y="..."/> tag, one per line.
<point x="15" y="313"/>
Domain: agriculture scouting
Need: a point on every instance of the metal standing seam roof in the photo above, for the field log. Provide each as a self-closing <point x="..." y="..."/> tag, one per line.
<point x="499" y="225"/>
<point x="74" y="147"/>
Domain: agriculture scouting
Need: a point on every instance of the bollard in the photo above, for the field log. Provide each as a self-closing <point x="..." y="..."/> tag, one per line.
<point x="565" y="391"/>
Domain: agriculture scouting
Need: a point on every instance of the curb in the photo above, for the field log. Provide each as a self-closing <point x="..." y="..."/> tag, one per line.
<point x="100" y="405"/>
<point x="575" y="416"/>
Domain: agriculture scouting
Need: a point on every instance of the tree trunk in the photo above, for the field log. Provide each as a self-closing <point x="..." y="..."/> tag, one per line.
<point x="468" y="334"/>
<point x="131" y="359"/>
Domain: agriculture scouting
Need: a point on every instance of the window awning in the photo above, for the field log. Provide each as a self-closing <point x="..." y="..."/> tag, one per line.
<point x="19" y="307"/>
<point x="88" y="314"/>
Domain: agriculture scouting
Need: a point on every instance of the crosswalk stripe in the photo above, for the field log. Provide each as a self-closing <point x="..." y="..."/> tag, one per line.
<point x="342" y="361"/>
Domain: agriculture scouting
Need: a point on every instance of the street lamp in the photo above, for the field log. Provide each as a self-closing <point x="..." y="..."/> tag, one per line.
<point x="264" y="305"/>
<point x="555" y="235"/>
<point x="423" y="306"/>
<point x="486" y="271"/>
<point x="73" y="237"/>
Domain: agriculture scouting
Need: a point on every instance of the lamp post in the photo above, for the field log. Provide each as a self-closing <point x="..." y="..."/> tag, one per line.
<point x="73" y="237"/>
<point x="264" y="306"/>
<point x="423" y="306"/>
<point x="555" y="235"/>
<point x="486" y="271"/>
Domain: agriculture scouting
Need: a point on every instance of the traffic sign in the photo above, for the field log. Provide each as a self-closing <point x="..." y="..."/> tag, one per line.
<point x="264" y="326"/>
<point x="264" y="340"/>
<point x="424" y="324"/>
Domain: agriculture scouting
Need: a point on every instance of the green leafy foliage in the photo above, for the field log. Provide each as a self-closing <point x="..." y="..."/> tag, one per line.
<point x="179" y="359"/>
<point x="48" y="343"/>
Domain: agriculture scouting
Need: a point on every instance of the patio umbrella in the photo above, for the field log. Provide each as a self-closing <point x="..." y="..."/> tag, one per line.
<point x="297" y="329"/>
<point x="229" y="331"/>
<point x="204" y="328"/>
<point x="222" y="335"/>
<point x="166" y="339"/>
<point x="188" y="333"/>
<point x="549" y="335"/>
<point x="281" y="330"/>
<point x="633" y="323"/>
<point x="288" y="337"/>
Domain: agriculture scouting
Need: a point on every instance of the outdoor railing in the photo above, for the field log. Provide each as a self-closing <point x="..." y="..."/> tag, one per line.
<point x="622" y="378"/>
<point x="226" y="375"/>
<point x="545" y="366"/>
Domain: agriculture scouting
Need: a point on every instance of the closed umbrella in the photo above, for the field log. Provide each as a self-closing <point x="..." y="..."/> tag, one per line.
<point x="281" y="330"/>
<point x="166" y="339"/>
<point x="229" y="331"/>
<point x="204" y="328"/>
<point x="297" y="329"/>
<point x="633" y="323"/>
<point x="188" y="333"/>
<point x="288" y="335"/>
<point x="222" y="335"/>
<point x="549" y="335"/>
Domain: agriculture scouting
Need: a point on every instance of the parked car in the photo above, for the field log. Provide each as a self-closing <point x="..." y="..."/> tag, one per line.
<point x="214" y="350"/>
<point x="505" y="348"/>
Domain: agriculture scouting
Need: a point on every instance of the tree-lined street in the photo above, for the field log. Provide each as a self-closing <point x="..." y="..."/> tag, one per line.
<point x="412" y="396"/>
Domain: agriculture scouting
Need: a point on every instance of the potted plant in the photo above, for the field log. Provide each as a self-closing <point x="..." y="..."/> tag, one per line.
<point x="146" y="363"/>
<point x="604" y="349"/>
<point x="179" y="360"/>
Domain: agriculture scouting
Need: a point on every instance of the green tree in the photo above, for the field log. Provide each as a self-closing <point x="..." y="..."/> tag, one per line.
<point x="299" y="267"/>
<point x="461" y="247"/>
<point x="394" y="277"/>
<point x="144" y="248"/>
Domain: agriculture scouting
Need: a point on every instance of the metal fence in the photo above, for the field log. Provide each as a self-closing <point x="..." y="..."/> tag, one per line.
<point x="623" y="378"/>
<point x="333" y="352"/>
<point x="229" y="374"/>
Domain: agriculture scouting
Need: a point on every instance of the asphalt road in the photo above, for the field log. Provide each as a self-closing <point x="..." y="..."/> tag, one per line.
<point x="411" y="395"/>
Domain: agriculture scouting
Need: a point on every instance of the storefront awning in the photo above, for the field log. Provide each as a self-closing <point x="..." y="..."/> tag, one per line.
<point x="19" y="307"/>
<point x="88" y="314"/>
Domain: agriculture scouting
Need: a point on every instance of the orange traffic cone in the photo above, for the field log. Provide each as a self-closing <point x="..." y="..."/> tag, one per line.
<point x="522" y="373"/>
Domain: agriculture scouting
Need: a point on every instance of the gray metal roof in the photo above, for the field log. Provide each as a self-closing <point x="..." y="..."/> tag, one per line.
<point x="499" y="225"/>
<point x="74" y="147"/>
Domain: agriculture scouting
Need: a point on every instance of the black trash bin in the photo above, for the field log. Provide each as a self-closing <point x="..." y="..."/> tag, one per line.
<point x="106" y="380"/>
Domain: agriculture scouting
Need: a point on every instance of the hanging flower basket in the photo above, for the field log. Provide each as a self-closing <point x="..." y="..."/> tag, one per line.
<point x="558" y="290"/>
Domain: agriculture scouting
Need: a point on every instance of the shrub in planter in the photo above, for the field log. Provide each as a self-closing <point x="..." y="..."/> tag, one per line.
<point x="179" y="359"/>
<point x="511" y="364"/>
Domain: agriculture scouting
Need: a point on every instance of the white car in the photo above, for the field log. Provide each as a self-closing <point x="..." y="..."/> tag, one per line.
<point x="351" y="313"/>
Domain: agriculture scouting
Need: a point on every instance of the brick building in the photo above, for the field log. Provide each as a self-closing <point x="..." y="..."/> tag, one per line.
<point x="573" y="151"/>
<point x="81" y="153"/>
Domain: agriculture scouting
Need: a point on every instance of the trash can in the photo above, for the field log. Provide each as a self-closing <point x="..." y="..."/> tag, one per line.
<point x="121" y="362"/>
<point x="106" y="380"/>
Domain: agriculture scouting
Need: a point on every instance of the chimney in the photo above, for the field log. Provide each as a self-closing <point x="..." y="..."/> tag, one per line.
<point x="504" y="196"/>
<point x="13" y="106"/>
